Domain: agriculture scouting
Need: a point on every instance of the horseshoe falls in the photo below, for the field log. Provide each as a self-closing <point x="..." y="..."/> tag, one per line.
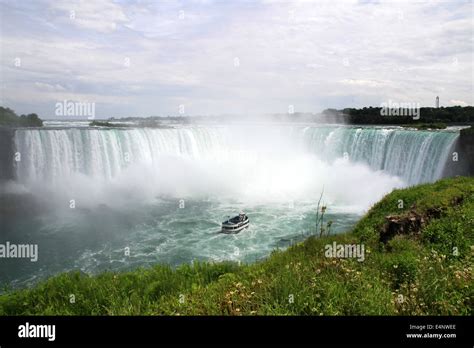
<point x="414" y="156"/>
<point x="163" y="193"/>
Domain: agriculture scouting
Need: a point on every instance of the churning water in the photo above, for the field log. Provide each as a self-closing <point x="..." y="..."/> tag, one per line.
<point x="163" y="193"/>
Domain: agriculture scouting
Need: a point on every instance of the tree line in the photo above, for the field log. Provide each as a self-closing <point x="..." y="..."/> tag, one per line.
<point x="375" y="115"/>
<point x="9" y="118"/>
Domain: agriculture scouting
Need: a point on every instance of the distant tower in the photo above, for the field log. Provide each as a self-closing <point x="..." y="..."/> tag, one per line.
<point x="437" y="102"/>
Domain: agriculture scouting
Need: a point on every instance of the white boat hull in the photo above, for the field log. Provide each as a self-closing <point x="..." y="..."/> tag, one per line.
<point x="235" y="228"/>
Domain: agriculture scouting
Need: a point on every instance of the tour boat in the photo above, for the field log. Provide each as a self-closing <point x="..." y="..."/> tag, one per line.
<point x="236" y="224"/>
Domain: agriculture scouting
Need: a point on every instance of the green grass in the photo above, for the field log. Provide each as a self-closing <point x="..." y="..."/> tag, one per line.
<point x="427" y="271"/>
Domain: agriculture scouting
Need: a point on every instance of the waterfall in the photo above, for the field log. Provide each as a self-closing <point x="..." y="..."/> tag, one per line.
<point x="415" y="156"/>
<point x="48" y="154"/>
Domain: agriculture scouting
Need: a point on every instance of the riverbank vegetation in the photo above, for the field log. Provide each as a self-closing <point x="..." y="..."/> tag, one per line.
<point x="101" y="124"/>
<point x="143" y="123"/>
<point x="399" y="116"/>
<point x="418" y="261"/>
<point x="8" y="118"/>
<point x="429" y="118"/>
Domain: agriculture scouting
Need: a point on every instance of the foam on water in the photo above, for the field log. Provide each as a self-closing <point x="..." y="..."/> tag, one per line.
<point x="128" y="185"/>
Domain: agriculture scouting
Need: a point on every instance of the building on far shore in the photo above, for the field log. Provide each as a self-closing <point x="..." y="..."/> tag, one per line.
<point x="437" y="101"/>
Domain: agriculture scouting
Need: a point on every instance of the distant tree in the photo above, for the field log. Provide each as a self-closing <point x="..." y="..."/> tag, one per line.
<point x="373" y="115"/>
<point x="9" y="118"/>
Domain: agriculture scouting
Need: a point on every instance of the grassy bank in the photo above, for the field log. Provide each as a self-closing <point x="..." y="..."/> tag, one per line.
<point x="418" y="261"/>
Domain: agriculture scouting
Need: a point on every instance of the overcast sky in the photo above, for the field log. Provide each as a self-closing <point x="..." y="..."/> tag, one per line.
<point x="141" y="58"/>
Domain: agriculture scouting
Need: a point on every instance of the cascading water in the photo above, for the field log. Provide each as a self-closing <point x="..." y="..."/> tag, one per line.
<point x="415" y="156"/>
<point x="164" y="192"/>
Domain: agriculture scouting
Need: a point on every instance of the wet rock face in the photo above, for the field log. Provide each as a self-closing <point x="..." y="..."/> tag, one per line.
<point x="6" y="154"/>
<point x="467" y="148"/>
<point x="408" y="223"/>
<point x="463" y="162"/>
<point x="413" y="221"/>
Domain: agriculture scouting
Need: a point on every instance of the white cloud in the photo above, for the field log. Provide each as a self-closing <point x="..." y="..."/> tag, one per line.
<point x="313" y="55"/>
<point x="458" y="102"/>
<point x="49" y="87"/>
<point x="363" y="83"/>
<point x="99" y="15"/>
